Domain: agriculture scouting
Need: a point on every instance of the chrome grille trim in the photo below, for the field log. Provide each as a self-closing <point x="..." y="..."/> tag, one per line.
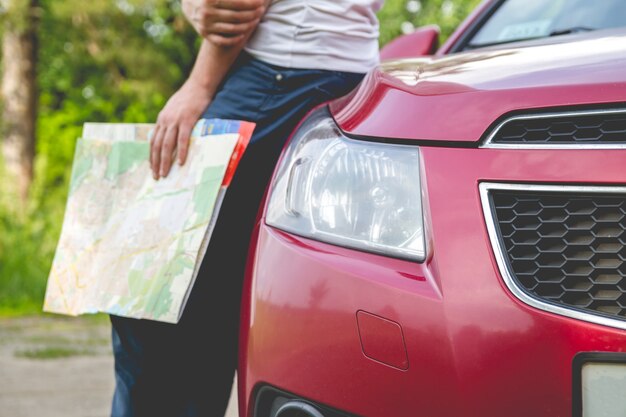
<point x="490" y="144"/>
<point x="500" y="254"/>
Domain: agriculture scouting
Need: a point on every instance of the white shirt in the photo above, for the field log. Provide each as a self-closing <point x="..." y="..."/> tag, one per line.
<point x="339" y="35"/>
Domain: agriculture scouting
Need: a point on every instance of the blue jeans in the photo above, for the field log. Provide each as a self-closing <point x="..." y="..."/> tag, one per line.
<point x="187" y="369"/>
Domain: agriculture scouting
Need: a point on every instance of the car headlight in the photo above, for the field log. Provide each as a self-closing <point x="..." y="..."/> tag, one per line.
<point x="357" y="194"/>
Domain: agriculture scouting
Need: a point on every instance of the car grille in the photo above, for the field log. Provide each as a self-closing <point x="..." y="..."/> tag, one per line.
<point x="565" y="248"/>
<point x="592" y="128"/>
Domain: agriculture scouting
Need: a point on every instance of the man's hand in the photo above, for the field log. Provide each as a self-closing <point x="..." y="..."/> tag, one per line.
<point x="174" y="126"/>
<point x="224" y="22"/>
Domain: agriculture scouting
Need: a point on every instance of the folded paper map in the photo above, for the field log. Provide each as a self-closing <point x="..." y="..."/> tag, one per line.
<point x="130" y="245"/>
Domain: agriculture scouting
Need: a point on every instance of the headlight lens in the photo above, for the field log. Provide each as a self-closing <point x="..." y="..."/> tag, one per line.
<point x="358" y="194"/>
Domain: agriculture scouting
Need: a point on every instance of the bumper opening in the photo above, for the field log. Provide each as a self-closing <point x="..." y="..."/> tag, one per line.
<point x="272" y="402"/>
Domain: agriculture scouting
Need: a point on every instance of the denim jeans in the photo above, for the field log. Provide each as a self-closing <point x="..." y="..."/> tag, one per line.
<point x="187" y="369"/>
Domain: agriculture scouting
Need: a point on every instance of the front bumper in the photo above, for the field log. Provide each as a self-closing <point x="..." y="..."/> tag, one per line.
<point x="472" y="348"/>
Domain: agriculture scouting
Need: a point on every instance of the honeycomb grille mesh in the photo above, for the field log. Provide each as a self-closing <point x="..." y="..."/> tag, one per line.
<point x="603" y="128"/>
<point x="566" y="248"/>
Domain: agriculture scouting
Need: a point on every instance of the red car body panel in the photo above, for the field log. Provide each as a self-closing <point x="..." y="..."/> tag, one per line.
<point x="461" y="95"/>
<point x="473" y="349"/>
<point x="466" y="336"/>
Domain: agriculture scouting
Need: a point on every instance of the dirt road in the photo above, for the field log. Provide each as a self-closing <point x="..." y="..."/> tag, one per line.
<point x="57" y="367"/>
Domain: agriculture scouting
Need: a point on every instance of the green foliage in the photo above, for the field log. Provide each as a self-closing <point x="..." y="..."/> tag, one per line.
<point x="22" y="266"/>
<point x="402" y="16"/>
<point x="115" y="61"/>
<point x="17" y="14"/>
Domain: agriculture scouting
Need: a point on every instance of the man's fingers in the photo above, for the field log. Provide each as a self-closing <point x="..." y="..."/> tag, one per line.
<point x="167" y="150"/>
<point x="155" y="151"/>
<point x="229" y="16"/>
<point x="152" y="138"/>
<point x="238" y="5"/>
<point x="233" y="28"/>
<point x="225" y="40"/>
<point x="204" y="15"/>
<point x="184" y="134"/>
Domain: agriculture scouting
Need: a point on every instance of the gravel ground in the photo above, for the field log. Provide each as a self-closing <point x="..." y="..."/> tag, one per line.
<point x="58" y="367"/>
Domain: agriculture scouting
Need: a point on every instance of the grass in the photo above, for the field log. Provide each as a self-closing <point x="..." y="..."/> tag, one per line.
<point x="29" y="234"/>
<point x="21" y="309"/>
<point x="26" y="249"/>
<point x="52" y="352"/>
<point x="48" y="337"/>
<point x="25" y="259"/>
<point x="61" y="341"/>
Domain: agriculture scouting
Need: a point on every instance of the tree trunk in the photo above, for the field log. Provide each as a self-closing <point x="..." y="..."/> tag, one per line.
<point x="19" y="94"/>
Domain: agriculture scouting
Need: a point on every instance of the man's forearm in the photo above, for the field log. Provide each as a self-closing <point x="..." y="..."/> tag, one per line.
<point x="212" y="65"/>
<point x="215" y="58"/>
<point x="176" y="120"/>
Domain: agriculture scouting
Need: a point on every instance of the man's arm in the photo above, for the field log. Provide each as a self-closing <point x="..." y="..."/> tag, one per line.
<point x="224" y="22"/>
<point x="177" y="119"/>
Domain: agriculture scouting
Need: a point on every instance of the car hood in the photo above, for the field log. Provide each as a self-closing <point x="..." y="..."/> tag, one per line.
<point x="459" y="96"/>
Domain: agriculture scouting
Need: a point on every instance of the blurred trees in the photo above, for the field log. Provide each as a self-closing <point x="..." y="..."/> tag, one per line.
<point x="101" y="60"/>
<point x="19" y="93"/>
<point x="112" y="60"/>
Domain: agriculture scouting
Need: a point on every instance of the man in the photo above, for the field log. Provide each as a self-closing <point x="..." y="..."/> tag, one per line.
<point x="269" y="63"/>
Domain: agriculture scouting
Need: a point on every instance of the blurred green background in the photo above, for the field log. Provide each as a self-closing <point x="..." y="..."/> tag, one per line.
<point x="103" y="61"/>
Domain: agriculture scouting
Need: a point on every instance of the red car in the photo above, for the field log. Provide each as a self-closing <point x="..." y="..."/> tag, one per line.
<point x="450" y="239"/>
